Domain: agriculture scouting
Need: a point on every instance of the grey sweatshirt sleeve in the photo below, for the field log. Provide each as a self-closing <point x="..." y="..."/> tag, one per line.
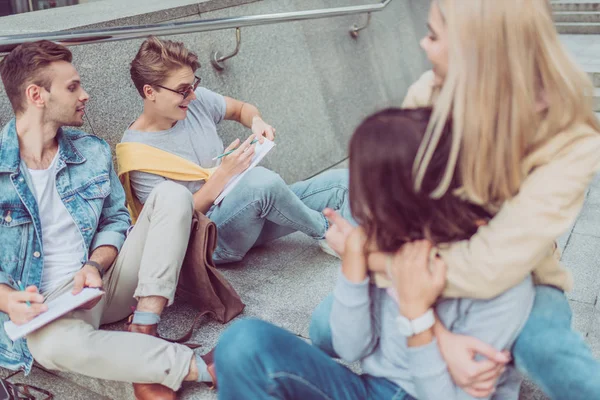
<point x="497" y="321"/>
<point x="350" y="320"/>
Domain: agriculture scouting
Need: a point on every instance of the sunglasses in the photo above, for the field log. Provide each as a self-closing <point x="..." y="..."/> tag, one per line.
<point x="186" y="92"/>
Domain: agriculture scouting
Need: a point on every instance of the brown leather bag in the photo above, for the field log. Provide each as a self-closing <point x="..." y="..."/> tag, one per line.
<point x="200" y="283"/>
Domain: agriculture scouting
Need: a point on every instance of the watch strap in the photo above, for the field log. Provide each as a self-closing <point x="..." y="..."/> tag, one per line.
<point x="95" y="265"/>
<point x="423" y="323"/>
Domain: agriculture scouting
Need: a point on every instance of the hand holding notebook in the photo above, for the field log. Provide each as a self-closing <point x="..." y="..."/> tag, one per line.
<point x="260" y="150"/>
<point x="56" y="308"/>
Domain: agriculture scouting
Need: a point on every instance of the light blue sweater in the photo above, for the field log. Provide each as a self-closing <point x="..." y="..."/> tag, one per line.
<point x="364" y="327"/>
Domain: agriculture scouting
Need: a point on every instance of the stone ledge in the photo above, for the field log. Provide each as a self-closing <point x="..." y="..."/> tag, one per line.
<point x="109" y="13"/>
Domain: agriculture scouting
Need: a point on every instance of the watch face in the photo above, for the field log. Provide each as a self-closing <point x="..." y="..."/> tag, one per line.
<point x="404" y="326"/>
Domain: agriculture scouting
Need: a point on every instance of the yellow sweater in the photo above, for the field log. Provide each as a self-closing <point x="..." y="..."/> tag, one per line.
<point x="144" y="158"/>
<point x="520" y="239"/>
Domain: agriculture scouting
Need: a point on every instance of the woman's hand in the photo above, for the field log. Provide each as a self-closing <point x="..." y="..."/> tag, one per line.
<point x="261" y="129"/>
<point x="338" y="232"/>
<point x="418" y="282"/>
<point x="240" y="159"/>
<point x="477" y="378"/>
<point x="354" y="260"/>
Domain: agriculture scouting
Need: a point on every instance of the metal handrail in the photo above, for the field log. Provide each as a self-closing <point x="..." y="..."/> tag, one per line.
<point x="88" y="36"/>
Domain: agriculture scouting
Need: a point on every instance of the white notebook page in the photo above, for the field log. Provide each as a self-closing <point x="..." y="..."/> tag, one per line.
<point x="260" y="151"/>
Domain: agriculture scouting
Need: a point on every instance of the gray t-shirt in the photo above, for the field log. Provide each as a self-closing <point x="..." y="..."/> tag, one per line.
<point x="195" y="138"/>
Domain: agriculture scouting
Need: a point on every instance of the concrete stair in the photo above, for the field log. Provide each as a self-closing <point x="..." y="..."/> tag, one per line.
<point x="595" y="76"/>
<point x="577" y="17"/>
<point x="576" y="6"/>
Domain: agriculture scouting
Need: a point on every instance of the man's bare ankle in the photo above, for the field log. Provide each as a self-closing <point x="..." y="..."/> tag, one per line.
<point x="153" y="304"/>
<point x="192" y="375"/>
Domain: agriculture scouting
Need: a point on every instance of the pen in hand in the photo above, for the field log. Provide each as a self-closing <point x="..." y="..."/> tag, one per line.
<point x="21" y="288"/>
<point x="231" y="151"/>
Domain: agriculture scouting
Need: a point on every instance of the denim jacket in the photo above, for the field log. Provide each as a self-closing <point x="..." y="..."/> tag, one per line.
<point x="92" y="194"/>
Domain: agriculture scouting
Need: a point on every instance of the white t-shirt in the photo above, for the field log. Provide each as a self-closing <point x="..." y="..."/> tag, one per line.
<point x="62" y="242"/>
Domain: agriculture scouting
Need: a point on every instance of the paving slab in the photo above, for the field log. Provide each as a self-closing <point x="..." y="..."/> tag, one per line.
<point x="583" y="259"/>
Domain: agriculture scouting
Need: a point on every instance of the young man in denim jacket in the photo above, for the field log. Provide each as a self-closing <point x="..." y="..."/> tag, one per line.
<point x="63" y="225"/>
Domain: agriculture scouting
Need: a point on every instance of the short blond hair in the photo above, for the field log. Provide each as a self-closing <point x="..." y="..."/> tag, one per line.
<point x="156" y="58"/>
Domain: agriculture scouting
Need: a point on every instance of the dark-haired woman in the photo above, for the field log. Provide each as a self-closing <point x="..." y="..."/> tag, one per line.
<point x="390" y="331"/>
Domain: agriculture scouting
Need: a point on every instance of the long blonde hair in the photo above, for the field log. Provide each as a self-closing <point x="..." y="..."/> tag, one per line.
<point x="505" y="59"/>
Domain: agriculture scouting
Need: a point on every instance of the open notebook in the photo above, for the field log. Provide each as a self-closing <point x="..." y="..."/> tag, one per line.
<point x="56" y="308"/>
<point x="260" y="151"/>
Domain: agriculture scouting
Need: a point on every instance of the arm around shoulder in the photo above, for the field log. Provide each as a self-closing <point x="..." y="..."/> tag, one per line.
<point x="522" y="235"/>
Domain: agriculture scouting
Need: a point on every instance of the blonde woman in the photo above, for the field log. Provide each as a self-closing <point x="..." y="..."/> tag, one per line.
<point x="526" y="147"/>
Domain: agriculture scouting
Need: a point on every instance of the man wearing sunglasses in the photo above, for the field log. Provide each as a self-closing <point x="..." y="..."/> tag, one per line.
<point x="181" y="118"/>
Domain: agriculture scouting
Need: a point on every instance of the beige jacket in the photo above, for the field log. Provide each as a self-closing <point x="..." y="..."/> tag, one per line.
<point x="520" y="239"/>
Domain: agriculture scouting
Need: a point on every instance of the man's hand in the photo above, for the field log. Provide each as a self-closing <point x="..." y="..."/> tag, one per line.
<point x="17" y="309"/>
<point x="477" y="378"/>
<point x="87" y="276"/>
<point x="261" y="129"/>
<point x="338" y="232"/>
<point x="241" y="158"/>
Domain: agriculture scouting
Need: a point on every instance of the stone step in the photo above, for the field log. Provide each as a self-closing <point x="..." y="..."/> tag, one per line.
<point x="108" y="389"/>
<point x="579" y="16"/>
<point x="595" y="76"/>
<point x="575" y="6"/>
<point x="578" y="28"/>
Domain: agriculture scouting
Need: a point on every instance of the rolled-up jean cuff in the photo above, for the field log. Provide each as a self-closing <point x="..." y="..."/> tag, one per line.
<point x="160" y="288"/>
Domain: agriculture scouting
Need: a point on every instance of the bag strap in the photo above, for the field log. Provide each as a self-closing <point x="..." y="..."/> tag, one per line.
<point x="23" y="391"/>
<point x="188" y="335"/>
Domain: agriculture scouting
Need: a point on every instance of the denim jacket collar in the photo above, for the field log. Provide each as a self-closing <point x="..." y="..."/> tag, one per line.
<point x="10" y="156"/>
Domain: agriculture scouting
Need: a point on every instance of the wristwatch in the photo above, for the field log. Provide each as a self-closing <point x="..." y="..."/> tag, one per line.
<point x="95" y="265"/>
<point x="408" y="327"/>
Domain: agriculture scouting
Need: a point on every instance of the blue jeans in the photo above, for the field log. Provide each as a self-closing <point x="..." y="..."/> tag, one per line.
<point x="256" y="360"/>
<point x="548" y="351"/>
<point x="263" y="208"/>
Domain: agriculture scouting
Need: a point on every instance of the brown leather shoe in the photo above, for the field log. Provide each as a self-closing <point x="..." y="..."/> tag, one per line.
<point x="151" y="330"/>
<point x="209" y="359"/>
<point x="152" y="391"/>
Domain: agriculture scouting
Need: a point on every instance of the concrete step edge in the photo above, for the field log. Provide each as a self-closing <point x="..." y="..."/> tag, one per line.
<point x="582" y="6"/>
<point x="575" y="28"/>
<point x="566" y="17"/>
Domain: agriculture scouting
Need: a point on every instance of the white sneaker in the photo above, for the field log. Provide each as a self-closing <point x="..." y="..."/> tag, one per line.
<point x="327" y="249"/>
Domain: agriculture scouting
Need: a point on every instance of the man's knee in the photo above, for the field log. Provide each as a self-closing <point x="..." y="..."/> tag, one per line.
<point x="338" y="177"/>
<point x="261" y="180"/>
<point x="65" y="338"/>
<point x="174" y="197"/>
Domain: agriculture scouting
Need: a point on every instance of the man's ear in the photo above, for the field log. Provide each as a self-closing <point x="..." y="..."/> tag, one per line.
<point x="149" y="92"/>
<point x="34" y="95"/>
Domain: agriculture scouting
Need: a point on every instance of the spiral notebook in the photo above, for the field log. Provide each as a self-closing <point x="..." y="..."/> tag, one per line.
<point x="260" y="151"/>
<point x="56" y="308"/>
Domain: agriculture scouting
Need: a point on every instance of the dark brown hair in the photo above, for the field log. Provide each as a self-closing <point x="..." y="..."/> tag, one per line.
<point x="156" y="58"/>
<point x="27" y="65"/>
<point x="382" y="196"/>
